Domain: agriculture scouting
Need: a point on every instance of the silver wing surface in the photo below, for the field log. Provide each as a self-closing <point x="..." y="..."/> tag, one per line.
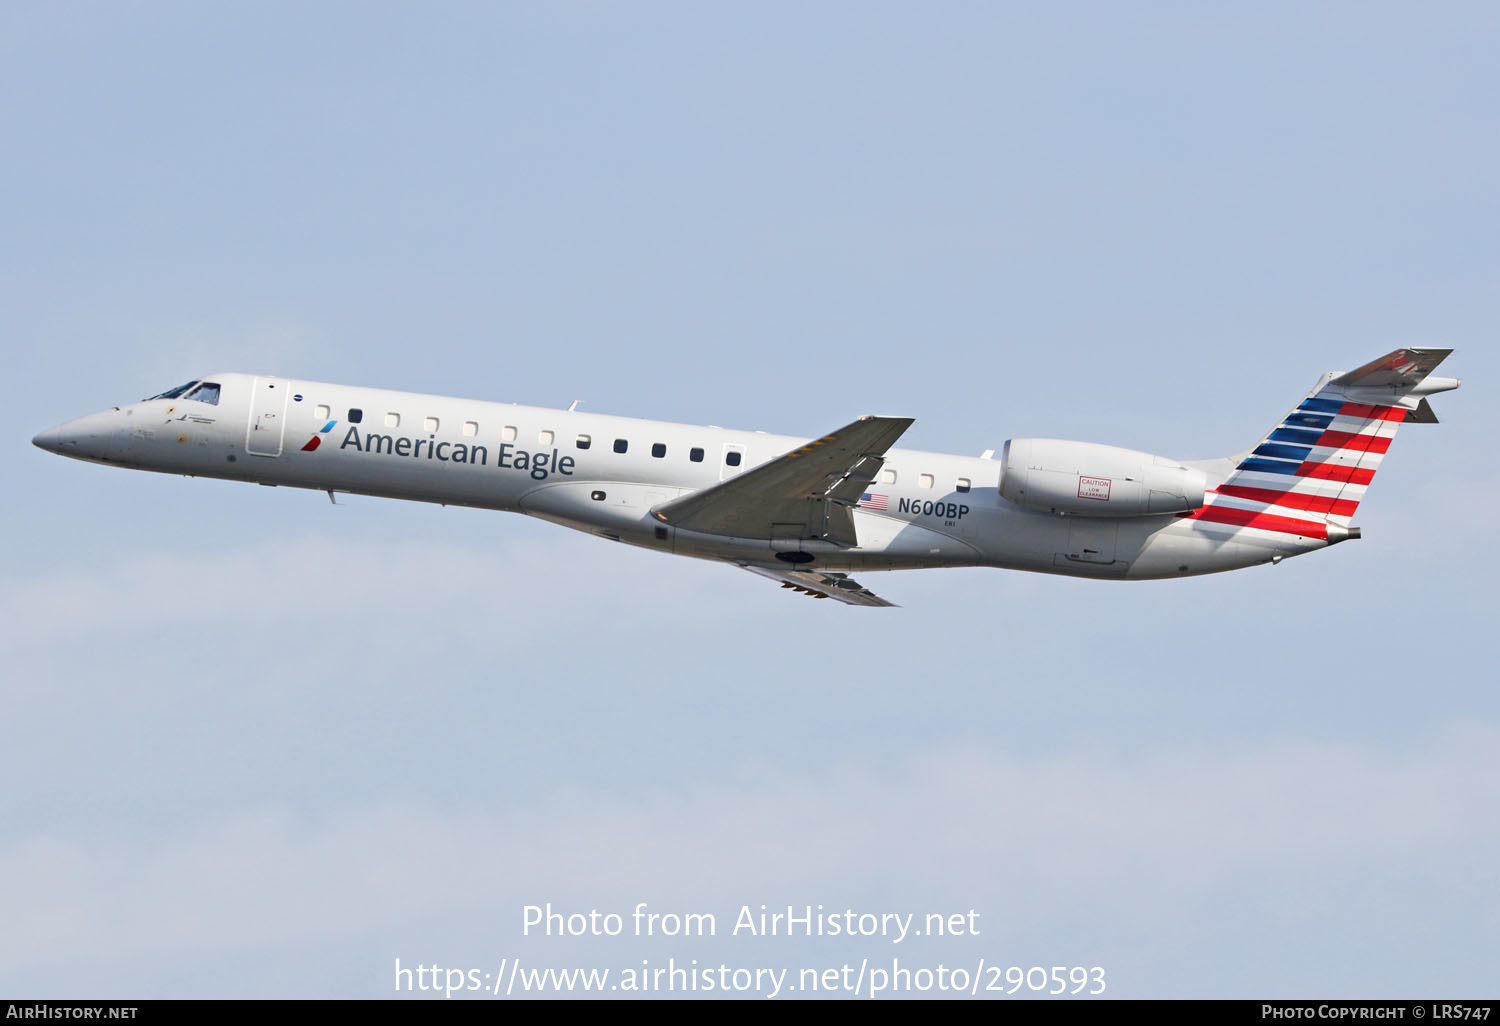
<point x="806" y="493"/>
<point x="819" y="584"/>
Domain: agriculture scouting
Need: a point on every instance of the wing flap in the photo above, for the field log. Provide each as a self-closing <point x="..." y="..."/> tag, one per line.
<point x="821" y="584"/>
<point x="857" y="480"/>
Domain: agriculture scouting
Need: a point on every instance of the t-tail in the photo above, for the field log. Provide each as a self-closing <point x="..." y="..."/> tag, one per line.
<point x="1307" y="477"/>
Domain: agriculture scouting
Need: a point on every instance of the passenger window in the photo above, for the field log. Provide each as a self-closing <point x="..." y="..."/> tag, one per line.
<point x="208" y="392"/>
<point x="508" y="433"/>
<point x="621" y="445"/>
<point x="544" y="437"/>
<point x="924" y="480"/>
<point x="658" y="450"/>
<point x="962" y="485"/>
<point x="393" y="420"/>
<point x="356" y="415"/>
<point x="584" y="441"/>
<point x="696" y="455"/>
<point x="471" y="428"/>
<point x="323" y="413"/>
<point x="732" y="458"/>
<point x="430" y="424"/>
<point x="887" y="477"/>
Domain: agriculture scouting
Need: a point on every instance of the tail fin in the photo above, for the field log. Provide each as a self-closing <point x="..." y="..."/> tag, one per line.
<point x="1307" y="477"/>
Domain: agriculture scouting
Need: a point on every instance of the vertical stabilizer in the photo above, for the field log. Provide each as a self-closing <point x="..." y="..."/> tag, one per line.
<point x="1307" y="477"/>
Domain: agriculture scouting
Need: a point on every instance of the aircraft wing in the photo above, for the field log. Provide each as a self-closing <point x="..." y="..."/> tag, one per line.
<point x="806" y="493"/>
<point x="819" y="584"/>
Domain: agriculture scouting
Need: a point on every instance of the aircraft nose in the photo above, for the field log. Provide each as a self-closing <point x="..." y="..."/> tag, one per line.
<point x="53" y="440"/>
<point x="87" y="438"/>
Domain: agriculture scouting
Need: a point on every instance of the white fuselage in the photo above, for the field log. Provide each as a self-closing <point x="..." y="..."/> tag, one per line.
<point x="567" y="466"/>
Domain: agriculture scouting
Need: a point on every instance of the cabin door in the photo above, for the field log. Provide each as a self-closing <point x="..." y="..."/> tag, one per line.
<point x="268" y="400"/>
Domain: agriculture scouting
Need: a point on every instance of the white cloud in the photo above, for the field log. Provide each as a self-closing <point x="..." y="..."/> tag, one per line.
<point x="1125" y="837"/>
<point x="284" y="579"/>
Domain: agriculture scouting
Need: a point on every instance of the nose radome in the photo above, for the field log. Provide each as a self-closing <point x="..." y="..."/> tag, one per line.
<point x="51" y="440"/>
<point x="87" y="438"/>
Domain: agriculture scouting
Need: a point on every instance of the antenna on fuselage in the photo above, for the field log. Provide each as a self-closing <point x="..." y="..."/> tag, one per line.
<point x="574" y="405"/>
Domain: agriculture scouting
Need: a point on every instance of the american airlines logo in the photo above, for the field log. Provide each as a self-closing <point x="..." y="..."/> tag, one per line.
<point x="317" y="440"/>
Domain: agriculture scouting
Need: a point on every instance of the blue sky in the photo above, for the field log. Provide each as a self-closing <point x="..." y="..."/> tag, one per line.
<point x="258" y="745"/>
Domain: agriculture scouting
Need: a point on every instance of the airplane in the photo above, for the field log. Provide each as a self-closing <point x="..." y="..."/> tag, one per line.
<point x="805" y="512"/>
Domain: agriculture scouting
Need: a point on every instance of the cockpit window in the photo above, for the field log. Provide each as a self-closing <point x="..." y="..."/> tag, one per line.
<point x="208" y="392"/>
<point x="173" y="393"/>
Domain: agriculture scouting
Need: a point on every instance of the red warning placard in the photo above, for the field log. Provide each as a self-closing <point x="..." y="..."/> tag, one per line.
<point x="1094" y="488"/>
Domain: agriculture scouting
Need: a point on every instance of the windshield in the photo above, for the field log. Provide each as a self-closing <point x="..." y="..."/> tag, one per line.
<point x="172" y="393"/>
<point x="208" y="392"/>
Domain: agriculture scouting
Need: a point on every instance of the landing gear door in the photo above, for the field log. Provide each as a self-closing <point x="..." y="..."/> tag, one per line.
<point x="268" y="401"/>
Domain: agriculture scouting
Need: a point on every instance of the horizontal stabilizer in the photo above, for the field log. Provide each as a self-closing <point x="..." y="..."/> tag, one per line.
<point x="1400" y="370"/>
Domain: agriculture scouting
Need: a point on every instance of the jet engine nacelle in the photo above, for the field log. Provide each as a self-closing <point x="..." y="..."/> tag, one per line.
<point x="1085" y="479"/>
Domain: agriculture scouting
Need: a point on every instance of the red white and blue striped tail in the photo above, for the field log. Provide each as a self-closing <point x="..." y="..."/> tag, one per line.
<point x="1307" y="477"/>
